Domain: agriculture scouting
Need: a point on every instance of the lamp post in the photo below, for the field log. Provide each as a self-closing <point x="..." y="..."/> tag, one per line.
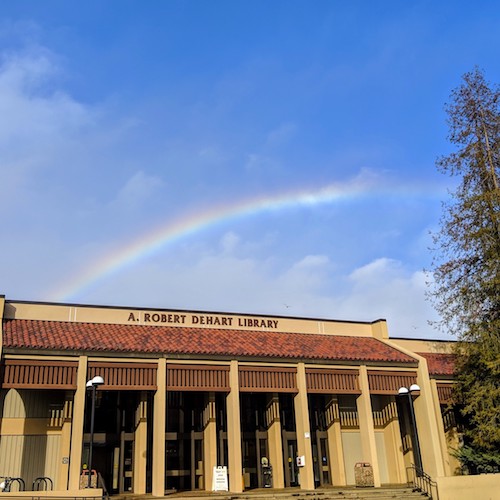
<point x="403" y="391"/>
<point x="92" y="385"/>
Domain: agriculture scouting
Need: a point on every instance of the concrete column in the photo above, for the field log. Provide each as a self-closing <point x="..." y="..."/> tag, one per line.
<point x="75" y="459"/>
<point x="235" y="464"/>
<point x="275" y="440"/>
<point x="366" y="426"/>
<point x="440" y="425"/>
<point x="394" y="445"/>
<point x="335" y="449"/>
<point x="159" y="423"/>
<point x="427" y="426"/>
<point x="65" y="446"/>
<point x="303" y="429"/>
<point x="140" y="445"/>
<point x="209" y="440"/>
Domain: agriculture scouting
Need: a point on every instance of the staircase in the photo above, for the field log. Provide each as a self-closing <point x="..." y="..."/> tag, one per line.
<point x="384" y="493"/>
<point x="387" y="493"/>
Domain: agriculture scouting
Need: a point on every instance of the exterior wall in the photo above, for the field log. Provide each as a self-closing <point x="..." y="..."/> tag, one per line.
<point x="382" y="457"/>
<point x="122" y="316"/>
<point x="31" y="429"/>
<point x="433" y="346"/>
<point x="353" y="453"/>
<point x="484" y="487"/>
<point x="357" y="437"/>
<point x="388" y="439"/>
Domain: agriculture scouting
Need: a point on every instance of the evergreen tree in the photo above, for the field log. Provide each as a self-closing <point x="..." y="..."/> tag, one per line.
<point x="466" y="266"/>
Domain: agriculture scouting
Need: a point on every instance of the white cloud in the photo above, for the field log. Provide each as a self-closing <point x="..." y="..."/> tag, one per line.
<point x="257" y="162"/>
<point x="138" y="189"/>
<point x="312" y="262"/>
<point x="32" y="113"/>
<point x="282" y="134"/>
<point x="229" y="242"/>
<point x="38" y="126"/>
<point x="378" y="271"/>
<point x="385" y="288"/>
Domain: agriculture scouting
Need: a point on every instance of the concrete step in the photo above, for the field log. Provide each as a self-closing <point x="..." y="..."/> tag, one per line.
<point x="384" y="493"/>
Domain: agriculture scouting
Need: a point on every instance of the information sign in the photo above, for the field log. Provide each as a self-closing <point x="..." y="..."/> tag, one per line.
<point x="219" y="481"/>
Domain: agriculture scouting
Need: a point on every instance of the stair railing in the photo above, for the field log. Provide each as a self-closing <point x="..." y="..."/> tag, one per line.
<point x="421" y="481"/>
<point x="102" y="484"/>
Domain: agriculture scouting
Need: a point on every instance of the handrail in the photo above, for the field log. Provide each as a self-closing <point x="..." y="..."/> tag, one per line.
<point x="100" y="482"/>
<point x="422" y="482"/>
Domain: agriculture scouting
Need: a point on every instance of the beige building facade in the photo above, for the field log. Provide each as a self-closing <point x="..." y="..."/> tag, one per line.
<point x="189" y="397"/>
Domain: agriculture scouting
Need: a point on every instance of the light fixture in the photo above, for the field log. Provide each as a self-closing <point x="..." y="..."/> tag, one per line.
<point x="404" y="391"/>
<point x="92" y="385"/>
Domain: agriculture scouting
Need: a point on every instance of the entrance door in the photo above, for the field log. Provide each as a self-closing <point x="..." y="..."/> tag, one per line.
<point x="178" y="461"/>
<point x="249" y="460"/>
<point x="322" y="475"/>
<point x="262" y="452"/>
<point x="184" y="461"/>
<point x="290" y="453"/>
<point x="126" y="466"/>
<point x="197" y="476"/>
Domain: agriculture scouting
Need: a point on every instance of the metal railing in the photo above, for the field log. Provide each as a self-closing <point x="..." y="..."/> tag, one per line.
<point x="102" y="485"/>
<point x="42" y="484"/>
<point x="7" y="483"/>
<point x="39" y="484"/>
<point x="421" y="481"/>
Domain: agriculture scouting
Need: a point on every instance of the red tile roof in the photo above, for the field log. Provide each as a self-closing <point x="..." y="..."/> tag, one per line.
<point x="56" y="335"/>
<point x="439" y="363"/>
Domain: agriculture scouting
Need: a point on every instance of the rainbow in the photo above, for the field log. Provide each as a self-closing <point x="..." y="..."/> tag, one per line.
<point x="174" y="230"/>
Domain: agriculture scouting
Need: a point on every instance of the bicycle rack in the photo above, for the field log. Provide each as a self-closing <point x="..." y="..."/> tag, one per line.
<point x="42" y="484"/>
<point x="9" y="481"/>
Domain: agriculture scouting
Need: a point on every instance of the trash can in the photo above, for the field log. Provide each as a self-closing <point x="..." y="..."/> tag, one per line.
<point x="84" y="479"/>
<point x="363" y="475"/>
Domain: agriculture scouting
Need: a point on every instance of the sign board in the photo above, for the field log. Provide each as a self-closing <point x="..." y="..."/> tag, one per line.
<point x="219" y="479"/>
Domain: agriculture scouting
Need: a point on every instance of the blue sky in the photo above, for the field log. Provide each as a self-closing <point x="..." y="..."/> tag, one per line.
<point x="120" y="118"/>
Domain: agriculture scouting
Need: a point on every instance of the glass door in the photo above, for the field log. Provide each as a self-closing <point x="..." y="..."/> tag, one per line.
<point x="290" y="453"/>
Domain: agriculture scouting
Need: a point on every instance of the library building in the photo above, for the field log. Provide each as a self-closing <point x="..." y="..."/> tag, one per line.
<point x="152" y="401"/>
